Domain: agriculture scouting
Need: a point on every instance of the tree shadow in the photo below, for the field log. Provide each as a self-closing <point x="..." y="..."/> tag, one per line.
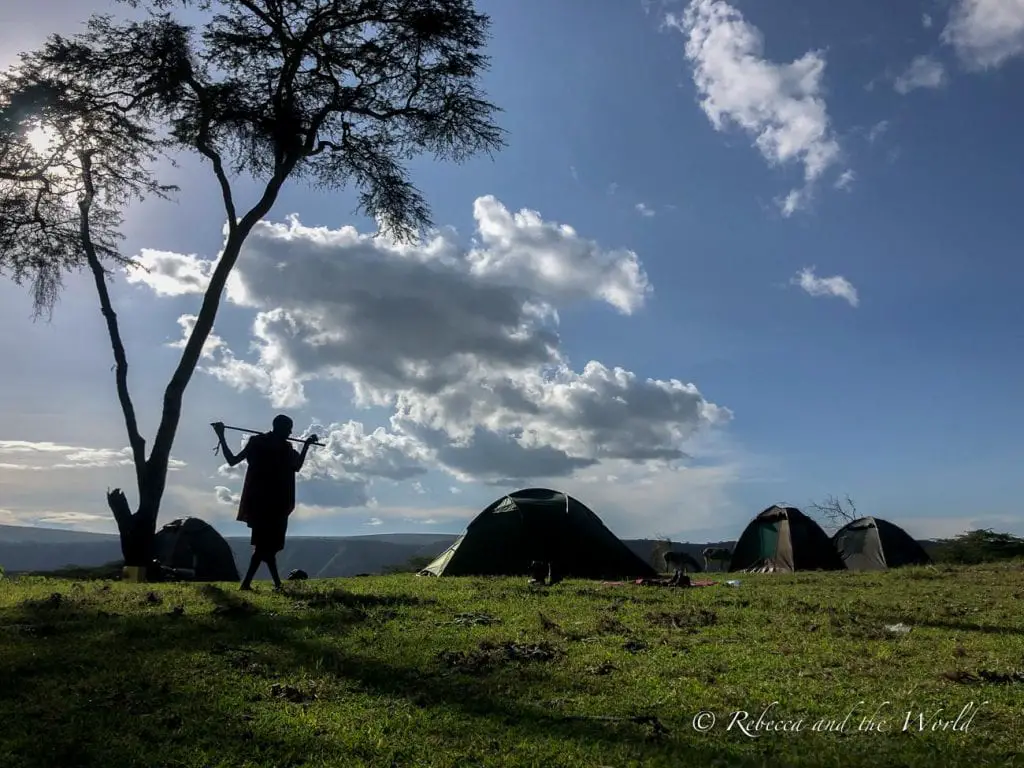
<point x="129" y="690"/>
<point x="964" y="626"/>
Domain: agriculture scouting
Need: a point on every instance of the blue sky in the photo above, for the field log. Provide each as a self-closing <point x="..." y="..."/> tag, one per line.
<point x="670" y="137"/>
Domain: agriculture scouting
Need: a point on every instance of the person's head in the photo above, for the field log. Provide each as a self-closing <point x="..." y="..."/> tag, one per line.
<point x="282" y="426"/>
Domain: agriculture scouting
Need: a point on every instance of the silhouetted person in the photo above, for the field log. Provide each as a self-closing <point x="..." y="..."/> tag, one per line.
<point x="268" y="492"/>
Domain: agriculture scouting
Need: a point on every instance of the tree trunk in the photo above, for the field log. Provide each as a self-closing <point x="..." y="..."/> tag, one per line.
<point x="137" y="530"/>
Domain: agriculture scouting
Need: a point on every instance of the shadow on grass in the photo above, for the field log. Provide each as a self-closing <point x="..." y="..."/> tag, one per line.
<point x="966" y="626"/>
<point x="115" y="689"/>
<point x="136" y="689"/>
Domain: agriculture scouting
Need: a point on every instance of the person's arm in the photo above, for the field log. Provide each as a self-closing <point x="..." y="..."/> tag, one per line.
<point x="231" y="458"/>
<point x="300" y="458"/>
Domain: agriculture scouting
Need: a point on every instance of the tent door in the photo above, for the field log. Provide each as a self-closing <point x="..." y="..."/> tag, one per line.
<point x="768" y="542"/>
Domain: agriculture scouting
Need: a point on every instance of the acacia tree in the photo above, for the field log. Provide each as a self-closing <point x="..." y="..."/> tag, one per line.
<point x="336" y="92"/>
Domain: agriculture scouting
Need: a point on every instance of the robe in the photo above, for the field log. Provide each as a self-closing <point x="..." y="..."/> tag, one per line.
<point x="268" y="491"/>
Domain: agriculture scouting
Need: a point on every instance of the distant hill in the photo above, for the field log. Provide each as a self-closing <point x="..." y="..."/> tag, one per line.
<point x="49" y="549"/>
<point x="12" y="534"/>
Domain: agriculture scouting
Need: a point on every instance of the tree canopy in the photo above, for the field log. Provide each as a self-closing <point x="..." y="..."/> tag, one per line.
<point x="340" y="93"/>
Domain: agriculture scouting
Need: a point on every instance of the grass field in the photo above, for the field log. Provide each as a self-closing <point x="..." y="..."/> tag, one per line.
<point x="405" y="671"/>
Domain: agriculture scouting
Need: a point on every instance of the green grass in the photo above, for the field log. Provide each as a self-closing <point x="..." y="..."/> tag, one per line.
<point x="384" y="671"/>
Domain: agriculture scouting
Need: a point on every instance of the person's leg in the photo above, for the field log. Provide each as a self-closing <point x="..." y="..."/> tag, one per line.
<point x="272" y="566"/>
<point x="254" y="564"/>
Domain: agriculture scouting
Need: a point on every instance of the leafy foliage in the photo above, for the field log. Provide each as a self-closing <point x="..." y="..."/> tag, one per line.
<point x="339" y="92"/>
<point x="70" y="159"/>
<point x="978" y="546"/>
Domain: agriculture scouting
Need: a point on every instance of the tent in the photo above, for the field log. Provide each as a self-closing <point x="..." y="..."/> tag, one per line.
<point x="190" y="544"/>
<point x="539" y="524"/>
<point x="784" y="539"/>
<point x="873" y="544"/>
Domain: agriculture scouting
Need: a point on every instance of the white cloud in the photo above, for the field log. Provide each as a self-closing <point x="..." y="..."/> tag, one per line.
<point x="926" y="21"/>
<point x="213" y="341"/>
<point x="46" y="456"/>
<point x="375" y="521"/>
<point x="644" y="210"/>
<point x="226" y="496"/>
<point x="846" y="179"/>
<point x="461" y="343"/>
<point x="781" y="105"/>
<point x="986" y="33"/>
<point x="551" y="260"/>
<point x="170" y="274"/>
<point x="350" y="454"/>
<point x="795" y="200"/>
<point x="836" y="286"/>
<point x="57" y="519"/>
<point x="877" y="130"/>
<point x="923" y="72"/>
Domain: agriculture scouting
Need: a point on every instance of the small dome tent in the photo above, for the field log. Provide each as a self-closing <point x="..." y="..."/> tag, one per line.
<point x="192" y="544"/>
<point x="873" y="544"/>
<point x="539" y="524"/>
<point x="783" y="539"/>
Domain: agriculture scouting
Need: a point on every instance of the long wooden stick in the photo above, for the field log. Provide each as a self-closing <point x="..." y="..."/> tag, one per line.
<point x="255" y="432"/>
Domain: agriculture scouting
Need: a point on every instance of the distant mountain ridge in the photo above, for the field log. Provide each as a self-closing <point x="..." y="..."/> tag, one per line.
<point x="23" y="548"/>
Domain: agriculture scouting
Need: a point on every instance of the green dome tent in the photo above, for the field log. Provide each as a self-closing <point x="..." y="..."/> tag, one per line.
<point x="873" y="544"/>
<point x="190" y="544"/>
<point x="782" y="540"/>
<point x="539" y="524"/>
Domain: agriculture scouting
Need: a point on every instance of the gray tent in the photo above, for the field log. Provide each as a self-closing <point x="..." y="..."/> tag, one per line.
<point x="539" y="524"/>
<point x="192" y="545"/>
<point x="873" y="544"/>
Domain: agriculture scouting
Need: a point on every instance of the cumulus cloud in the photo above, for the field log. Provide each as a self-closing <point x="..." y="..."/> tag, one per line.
<point x="44" y="456"/>
<point x="926" y="21"/>
<point x="986" y="33"/>
<point x="226" y="496"/>
<point x="461" y="343"/>
<point x="213" y="341"/>
<point x="170" y="274"/>
<point x="836" y="286"/>
<point x="644" y="210"/>
<point x="923" y="72"/>
<point x="351" y="451"/>
<point x="780" y="105"/>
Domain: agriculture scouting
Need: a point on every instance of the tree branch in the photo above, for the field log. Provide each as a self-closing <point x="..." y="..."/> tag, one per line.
<point x="203" y="145"/>
<point x="135" y="440"/>
<point x="204" y="322"/>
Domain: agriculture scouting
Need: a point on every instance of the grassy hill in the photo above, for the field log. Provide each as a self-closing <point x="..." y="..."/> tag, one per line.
<point x="407" y="671"/>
